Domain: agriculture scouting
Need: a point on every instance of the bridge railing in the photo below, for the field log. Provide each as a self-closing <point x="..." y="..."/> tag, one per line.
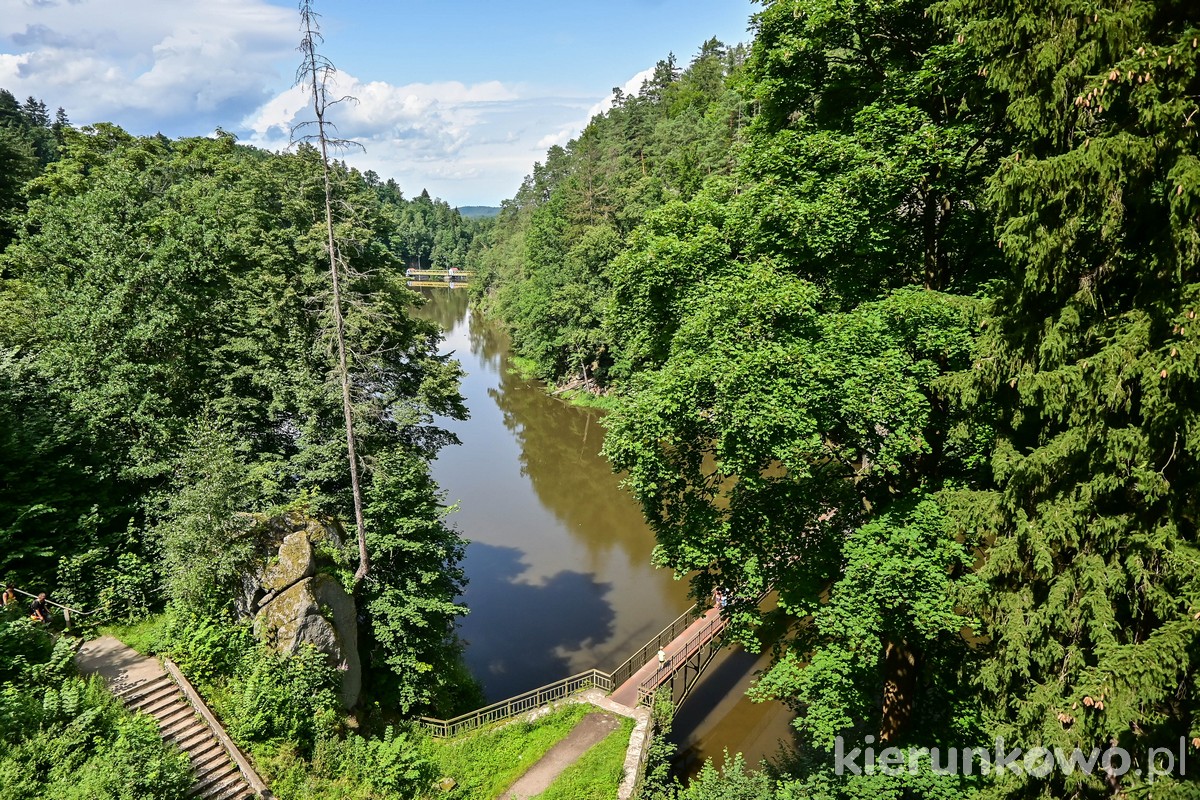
<point x="691" y="647"/>
<point x="607" y="681"/>
<point x="647" y="651"/>
<point x="534" y="698"/>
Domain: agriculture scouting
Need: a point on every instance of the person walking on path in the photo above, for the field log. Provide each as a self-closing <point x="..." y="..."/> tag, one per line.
<point x="662" y="658"/>
<point x="40" y="610"/>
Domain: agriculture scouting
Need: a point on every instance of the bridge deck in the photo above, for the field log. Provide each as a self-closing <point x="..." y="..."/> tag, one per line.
<point x="699" y="633"/>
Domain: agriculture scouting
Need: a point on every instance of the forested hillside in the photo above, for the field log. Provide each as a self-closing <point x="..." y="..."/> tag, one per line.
<point x="166" y="385"/>
<point x="896" y="314"/>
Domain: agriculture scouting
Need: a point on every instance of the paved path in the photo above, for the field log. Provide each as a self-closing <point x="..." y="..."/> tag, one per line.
<point x="588" y="732"/>
<point x="627" y="693"/>
<point x="143" y="686"/>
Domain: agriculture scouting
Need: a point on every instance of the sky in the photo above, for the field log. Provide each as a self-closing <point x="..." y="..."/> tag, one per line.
<point x="459" y="98"/>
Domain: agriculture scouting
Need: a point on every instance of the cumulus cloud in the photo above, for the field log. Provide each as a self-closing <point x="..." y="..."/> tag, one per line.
<point x="169" y="68"/>
<point x="186" y="68"/>
<point x="436" y="119"/>
<point x="442" y="136"/>
<point x="571" y="130"/>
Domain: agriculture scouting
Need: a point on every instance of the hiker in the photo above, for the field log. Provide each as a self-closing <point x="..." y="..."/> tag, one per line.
<point x="40" y="610"/>
<point x="9" y="597"/>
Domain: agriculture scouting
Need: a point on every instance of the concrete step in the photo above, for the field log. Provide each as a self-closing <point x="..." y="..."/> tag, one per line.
<point x="231" y="787"/>
<point x="215" y="780"/>
<point x="214" y="771"/>
<point x="153" y="699"/>
<point x="172" y="729"/>
<point x="164" y="707"/>
<point x="189" y="739"/>
<point x="204" y="758"/>
<point x="174" y="713"/>
<point x="137" y="690"/>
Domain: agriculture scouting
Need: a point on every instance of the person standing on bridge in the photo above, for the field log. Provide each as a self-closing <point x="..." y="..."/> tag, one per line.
<point x="662" y="658"/>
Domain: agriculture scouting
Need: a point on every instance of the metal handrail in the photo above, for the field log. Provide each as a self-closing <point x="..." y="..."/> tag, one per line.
<point x="565" y="687"/>
<point x="504" y="709"/>
<point x="632" y="664"/>
<point x="67" y="610"/>
<point x="693" y="645"/>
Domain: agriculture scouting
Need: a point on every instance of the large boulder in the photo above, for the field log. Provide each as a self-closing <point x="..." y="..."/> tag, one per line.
<point x="316" y="611"/>
<point x="294" y="599"/>
<point x="294" y="562"/>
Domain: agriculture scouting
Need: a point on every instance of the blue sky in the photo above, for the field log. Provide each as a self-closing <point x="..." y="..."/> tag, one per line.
<point x="459" y="98"/>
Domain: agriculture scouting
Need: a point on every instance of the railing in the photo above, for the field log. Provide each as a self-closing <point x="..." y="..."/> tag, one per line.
<point x="67" y="610"/>
<point x="642" y="656"/>
<point x="559" y="690"/>
<point x="691" y="647"/>
<point x="235" y="755"/>
<point x="535" y="698"/>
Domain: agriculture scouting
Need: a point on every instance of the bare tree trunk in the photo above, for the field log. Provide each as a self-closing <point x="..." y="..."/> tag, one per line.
<point x="315" y="71"/>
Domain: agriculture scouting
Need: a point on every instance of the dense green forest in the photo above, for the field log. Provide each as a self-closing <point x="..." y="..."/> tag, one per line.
<point x="166" y="384"/>
<point x="895" y="313"/>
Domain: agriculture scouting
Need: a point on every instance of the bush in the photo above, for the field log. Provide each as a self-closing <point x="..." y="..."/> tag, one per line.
<point x="347" y="766"/>
<point x="278" y="697"/>
<point x="68" y="737"/>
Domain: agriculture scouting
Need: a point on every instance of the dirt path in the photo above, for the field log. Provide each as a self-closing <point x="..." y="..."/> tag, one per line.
<point x="589" y="731"/>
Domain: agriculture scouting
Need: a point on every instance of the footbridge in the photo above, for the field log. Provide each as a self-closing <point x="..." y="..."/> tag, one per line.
<point x="689" y="644"/>
<point x="452" y="277"/>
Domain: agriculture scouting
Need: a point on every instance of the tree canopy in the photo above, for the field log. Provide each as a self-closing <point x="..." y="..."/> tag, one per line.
<point x="900" y="330"/>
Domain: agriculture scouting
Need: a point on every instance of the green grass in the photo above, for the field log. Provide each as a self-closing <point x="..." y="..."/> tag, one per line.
<point x="143" y="635"/>
<point x="524" y="367"/>
<point x="585" y="399"/>
<point x="597" y="775"/>
<point x="486" y="762"/>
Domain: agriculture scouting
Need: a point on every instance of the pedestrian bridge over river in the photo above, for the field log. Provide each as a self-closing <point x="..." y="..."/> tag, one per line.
<point x="689" y="644"/>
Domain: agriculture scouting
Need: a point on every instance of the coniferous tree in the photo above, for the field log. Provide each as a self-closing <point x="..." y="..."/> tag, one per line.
<point x="1092" y="605"/>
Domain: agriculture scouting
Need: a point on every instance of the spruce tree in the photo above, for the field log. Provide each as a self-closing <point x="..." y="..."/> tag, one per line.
<point x="1093" y="355"/>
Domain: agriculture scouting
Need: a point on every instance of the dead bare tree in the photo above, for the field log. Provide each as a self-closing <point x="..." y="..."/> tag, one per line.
<point x="314" y="74"/>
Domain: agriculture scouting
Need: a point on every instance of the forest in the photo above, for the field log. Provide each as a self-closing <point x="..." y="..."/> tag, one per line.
<point x="892" y="310"/>
<point x="165" y="385"/>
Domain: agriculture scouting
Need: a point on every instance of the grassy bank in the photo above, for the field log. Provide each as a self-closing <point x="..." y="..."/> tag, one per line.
<point x="332" y="762"/>
<point x="598" y="774"/>
<point x="486" y="762"/>
<point x="526" y="368"/>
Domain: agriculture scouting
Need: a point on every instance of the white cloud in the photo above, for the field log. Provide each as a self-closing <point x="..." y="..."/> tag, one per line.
<point x="571" y="130"/>
<point x="438" y="136"/>
<point x="167" y="67"/>
<point x="185" y="68"/>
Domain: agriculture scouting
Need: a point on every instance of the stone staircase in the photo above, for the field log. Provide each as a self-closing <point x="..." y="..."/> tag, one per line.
<point x="143" y="686"/>
<point x="217" y="777"/>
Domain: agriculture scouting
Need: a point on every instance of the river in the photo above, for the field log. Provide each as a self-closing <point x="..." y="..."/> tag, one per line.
<point x="558" y="564"/>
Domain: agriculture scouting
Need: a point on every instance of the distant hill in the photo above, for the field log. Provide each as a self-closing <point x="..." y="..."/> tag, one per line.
<point x="479" y="211"/>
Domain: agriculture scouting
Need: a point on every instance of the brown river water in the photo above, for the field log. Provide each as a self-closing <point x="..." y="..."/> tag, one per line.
<point x="558" y="563"/>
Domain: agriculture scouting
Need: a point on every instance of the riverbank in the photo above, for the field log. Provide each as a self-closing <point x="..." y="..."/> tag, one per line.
<point x="577" y="392"/>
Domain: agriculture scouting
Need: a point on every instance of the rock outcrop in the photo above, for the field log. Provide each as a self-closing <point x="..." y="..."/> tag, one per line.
<point x="295" y="599"/>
